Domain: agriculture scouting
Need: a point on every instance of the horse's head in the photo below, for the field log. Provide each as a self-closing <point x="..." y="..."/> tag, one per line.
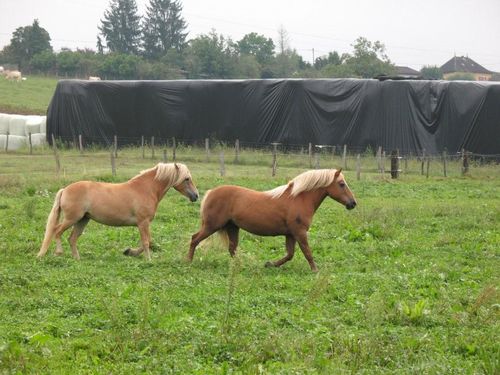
<point x="185" y="186"/>
<point x="339" y="191"/>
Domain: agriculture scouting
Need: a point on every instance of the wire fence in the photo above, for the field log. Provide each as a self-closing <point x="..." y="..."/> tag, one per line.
<point x="126" y="156"/>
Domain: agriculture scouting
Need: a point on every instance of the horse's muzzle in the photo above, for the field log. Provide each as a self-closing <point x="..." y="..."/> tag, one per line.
<point x="193" y="197"/>
<point x="351" y="205"/>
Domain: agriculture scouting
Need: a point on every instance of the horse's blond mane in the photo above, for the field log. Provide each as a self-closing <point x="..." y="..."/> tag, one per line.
<point x="171" y="173"/>
<point x="306" y="181"/>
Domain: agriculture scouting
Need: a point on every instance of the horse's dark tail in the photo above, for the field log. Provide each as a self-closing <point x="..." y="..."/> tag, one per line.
<point x="52" y="221"/>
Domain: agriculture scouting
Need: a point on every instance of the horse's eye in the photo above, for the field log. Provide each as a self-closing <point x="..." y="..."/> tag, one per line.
<point x="342" y="184"/>
<point x="187" y="179"/>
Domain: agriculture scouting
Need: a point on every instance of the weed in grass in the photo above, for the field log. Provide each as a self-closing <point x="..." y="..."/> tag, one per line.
<point x="414" y="313"/>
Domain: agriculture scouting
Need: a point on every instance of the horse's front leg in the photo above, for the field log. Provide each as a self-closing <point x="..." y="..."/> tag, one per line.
<point x="145" y="241"/>
<point x="301" y="238"/>
<point x="290" y="250"/>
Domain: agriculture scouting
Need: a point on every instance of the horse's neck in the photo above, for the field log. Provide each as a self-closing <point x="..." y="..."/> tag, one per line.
<point x="314" y="198"/>
<point x="148" y="182"/>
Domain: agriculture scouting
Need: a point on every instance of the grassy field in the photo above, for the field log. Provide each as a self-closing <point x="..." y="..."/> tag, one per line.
<point x="30" y="97"/>
<point x="408" y="281"/>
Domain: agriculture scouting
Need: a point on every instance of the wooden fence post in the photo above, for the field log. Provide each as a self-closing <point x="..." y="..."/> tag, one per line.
<point x="237" y="151"/>
<point x="115" y="145"/>
<point x="422" y="163"/>
<point x="428" y="165"/>
<point x="444" y="163"/>
<point x="174" y="148"/>
<point x="80" y="142"/>
<point x="152" y="147"/>
<point x="395" y="164"/>
<point x="344" y="158"/>
<point x="30" y="143"/>
<point x="7" y="142"/>
<point x="465" y="162"/>
<point x="142" y="146"/>
<point x="113" y="164"/>
<point x="274" y="159"/>
<point x="56" y="155"/>
<point x="383" y="165"/>
<point x="379" y="158"/>
<point x="310" y="155"/>
<point x="222" y="166"/>
<point x="165" y="155"/>
<point x="207" y="149"/>
<point x="358" y="167"/>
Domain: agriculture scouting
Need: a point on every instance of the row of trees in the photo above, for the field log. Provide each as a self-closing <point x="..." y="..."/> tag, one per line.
<point x="156" y="47"/>
<point x="207" y="56"/>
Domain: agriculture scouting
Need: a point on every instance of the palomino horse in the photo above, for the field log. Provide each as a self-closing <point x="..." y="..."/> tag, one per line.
<point x="132" y="203"/>
<point x="286" y="210"/>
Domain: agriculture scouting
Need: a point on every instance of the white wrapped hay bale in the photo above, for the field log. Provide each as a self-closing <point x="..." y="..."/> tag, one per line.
<point x="15" y="142"/>
<point x="38" y="139"/>
<point x="4" y="123"/>
<point x="43" y="125"/>
<point x="33" y="125"/>
<point x="17" y="125"/>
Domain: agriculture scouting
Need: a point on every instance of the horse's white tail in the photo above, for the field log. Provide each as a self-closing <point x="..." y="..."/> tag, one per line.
<point x="52" y="221"/>
<point x="223" y="236"/>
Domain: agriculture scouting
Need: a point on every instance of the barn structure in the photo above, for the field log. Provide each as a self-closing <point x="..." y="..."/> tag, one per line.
<point x="407" y="115"/>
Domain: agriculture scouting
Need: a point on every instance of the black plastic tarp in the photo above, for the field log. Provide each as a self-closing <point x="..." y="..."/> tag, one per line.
<point x="407" y="115"/>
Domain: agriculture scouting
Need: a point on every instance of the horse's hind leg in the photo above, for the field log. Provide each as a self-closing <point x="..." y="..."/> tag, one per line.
<point x="77" y="231"/>
<point x="197" y="238"/>
<point x="60" y="228"/>
<point x="290" y="250"/>
<point x="232" y="234"/>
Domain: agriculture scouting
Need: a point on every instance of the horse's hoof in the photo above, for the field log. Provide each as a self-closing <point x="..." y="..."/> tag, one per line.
<point x="269" y="265"/>
<point x="126" y="252"/>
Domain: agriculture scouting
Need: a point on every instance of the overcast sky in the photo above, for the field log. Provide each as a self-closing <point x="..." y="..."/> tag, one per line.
<point x="415" y="33"/>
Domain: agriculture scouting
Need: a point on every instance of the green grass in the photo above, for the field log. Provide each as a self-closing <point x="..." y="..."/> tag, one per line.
<point x="408" y="281"/>
<point x="27" y="97"/>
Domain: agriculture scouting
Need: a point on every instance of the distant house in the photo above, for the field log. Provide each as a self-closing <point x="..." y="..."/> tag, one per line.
<point x="464" y="64"/>
<point x="405" y="71"/>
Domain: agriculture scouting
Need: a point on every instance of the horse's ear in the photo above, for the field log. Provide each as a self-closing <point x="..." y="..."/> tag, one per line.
<point x="176" y="166"/>
<point x="337" y="173"/>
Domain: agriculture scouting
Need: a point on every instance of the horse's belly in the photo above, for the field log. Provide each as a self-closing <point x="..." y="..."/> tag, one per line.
<point x="112" y="220"/>
<point x="262" y="227"/>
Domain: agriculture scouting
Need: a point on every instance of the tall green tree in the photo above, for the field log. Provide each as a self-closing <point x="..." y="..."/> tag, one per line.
<point x="333" y="58"/>
<point x="163" y="28"/>
<point x="26" y="42"/>
<point x="211" y="56"/>
<point x="256" y="45"/>
<point x="369" y="59"/>
<point x="43" y="62"/>
<point x="121" y="27"/>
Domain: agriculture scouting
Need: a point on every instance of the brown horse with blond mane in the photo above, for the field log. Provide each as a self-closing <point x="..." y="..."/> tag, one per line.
<point x="286" y="210"/>
<point x="132" y="203"/>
